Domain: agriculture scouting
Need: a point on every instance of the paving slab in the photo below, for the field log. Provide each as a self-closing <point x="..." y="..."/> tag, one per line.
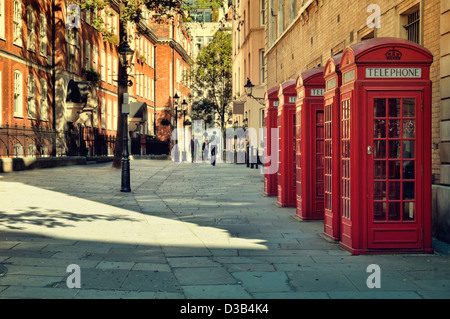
<point x="185" y="231"/>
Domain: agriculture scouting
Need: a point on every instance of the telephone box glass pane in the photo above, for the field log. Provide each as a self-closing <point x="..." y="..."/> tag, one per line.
<point x="394" y="190"/>
<point x="408" y="190"/>
<point x="408" y="149"/>
<point x="379" y="191"/>
<point x="379" y="129"/>
<point x="394" y="107"/>
<point x="409" y="128"/>
<point x="394" y="169"/>
<point x="394" y="149"/>
<point x="379" y="211"/>
<point x="408" y="210"/>
<point x="409" y="107"/>
<point x="394" y="211"/>
<point x="394" y="128"/>
<point x="379" y="149"/>
<point x="379" y="107"/>
<point x="408" y="169"/>
<point x="379" y="168"/>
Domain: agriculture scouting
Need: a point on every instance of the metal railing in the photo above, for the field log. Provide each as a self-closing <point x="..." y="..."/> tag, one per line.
<point x="22" y="141"/>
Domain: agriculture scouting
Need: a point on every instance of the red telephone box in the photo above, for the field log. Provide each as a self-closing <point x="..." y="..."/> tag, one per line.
<point x="310" y="145"/>
<point x="287" y="96"/>
<point x="270" y="121"/>
<point x="333" y="80"/>
<point x="385" y="147"/>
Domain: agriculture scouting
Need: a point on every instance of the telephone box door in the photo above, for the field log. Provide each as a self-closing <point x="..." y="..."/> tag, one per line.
<point x="394" y="170"/>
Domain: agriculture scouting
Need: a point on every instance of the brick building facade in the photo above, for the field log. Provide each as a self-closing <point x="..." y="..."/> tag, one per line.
<point x="59" y="79"/>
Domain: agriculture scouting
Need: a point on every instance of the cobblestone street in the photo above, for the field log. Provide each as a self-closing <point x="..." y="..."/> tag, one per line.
<point x="185" y="231"/>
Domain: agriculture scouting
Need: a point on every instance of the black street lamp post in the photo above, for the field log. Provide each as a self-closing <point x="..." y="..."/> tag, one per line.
<point x="125" y="56"/>
<point x="177" y="153"/>
<point x="184" y="108"/>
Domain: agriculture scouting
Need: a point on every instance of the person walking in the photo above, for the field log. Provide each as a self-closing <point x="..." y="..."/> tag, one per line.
<point x="194" y="148"/>
<point x="205" y="147"/>
<point x="213" y="142"/>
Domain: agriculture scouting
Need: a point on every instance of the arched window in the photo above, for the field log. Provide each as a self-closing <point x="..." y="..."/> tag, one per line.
<point x="43" y="35"/>
<point x="31" y="29"/>
<point x="31" y="96"/>
<point x="18" y="94"/>
<point x="17" y="23"/>
<point x="43" y="100"/>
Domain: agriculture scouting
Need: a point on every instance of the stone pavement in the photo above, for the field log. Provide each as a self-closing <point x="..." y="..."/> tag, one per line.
<point x="185" y="231"/>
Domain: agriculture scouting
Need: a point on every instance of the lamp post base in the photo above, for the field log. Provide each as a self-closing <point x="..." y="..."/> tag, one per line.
<point x="125" y="176"/>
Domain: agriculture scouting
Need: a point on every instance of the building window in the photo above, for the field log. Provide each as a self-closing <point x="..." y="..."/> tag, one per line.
<point x="115" y="112"/>
<point x="261" y="67"/>
<point x="31" y="150"/>
<point x="88" y="16"/>
<point x="2" y="19"/>
<point x="43" y="35"/>
<point x="17" y="23"/>
<point x="95" y="58"/>
<point x="201" y="15"/>
<point x="293" y="10"/>
<point x="271" y="22"/>
<point x="108" y="69"/>
<point x="87" y="48"/>
<point x="103" y="113"/>
<point x="18" y="94"/>
<point x="18" y="150"/>
<point x="109" y="115"/>
<point x="95" y="115"/>
<point x="43" y="100"/>
<point x="31" y="27"/>
<point x="31" y="97"/>
<point x="280" y="17"/>
<point x="262" y="12"/>
<point x="102" y="65"/>
<point x="114" y="68"/>
<point x="413" y="27"/>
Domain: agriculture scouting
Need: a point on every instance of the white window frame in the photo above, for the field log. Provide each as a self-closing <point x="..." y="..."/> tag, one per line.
<point x="109" y="114"/>
<point x="17" y="23"/>
<point x="2" y="19"/>
<point x="43" y="100"/>
<point x="31" y="29"/>
<point x="261" y="67"/>
<point x="114" y="68"/>
<point x="43" y="35"/>
<point x="87" y="49"/>
<point x="102" y="65"/>
<point x="115" y="112"/>
<point x="108" y="68"/>
<point x="103" y="113"/>
<point x="95" y="58"/>
<point x="31" y="97"/>
<point x="18" y="94"/>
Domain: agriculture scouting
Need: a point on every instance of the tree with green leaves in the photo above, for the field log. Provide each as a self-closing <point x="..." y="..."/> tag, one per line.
<point x="211" y="77"/>
<point x="129" y="11"/>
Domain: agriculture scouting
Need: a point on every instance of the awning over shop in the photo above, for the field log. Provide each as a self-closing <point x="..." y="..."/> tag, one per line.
<point x="138" y="110"/>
